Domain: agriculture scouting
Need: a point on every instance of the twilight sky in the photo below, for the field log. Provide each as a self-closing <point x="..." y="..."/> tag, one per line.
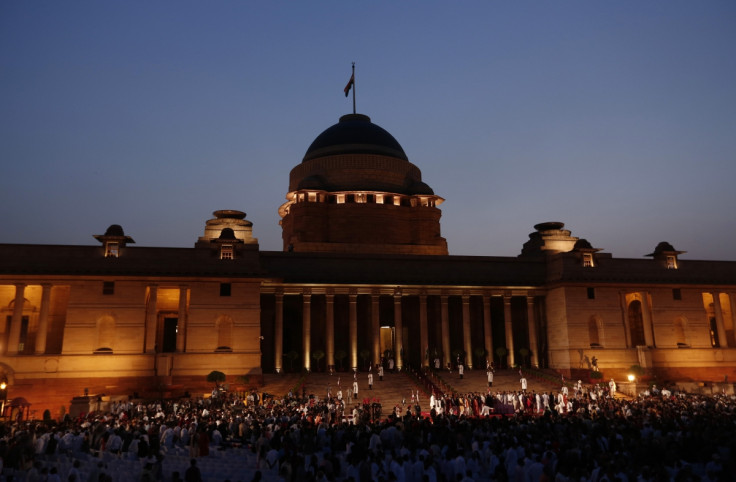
<point x="616" y="118"/>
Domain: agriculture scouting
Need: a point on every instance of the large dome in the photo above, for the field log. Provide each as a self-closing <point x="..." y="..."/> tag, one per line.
<point x="354" y="134"/>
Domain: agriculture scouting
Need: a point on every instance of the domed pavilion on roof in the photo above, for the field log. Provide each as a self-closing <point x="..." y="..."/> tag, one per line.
<point x="355" y="191"/>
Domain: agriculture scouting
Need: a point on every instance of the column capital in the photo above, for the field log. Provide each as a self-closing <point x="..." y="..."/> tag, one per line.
<point x="307" y="291"/>
<point x="507" y="298"/>
<point x="330" y="291"/>
<point x="398" y="291"/>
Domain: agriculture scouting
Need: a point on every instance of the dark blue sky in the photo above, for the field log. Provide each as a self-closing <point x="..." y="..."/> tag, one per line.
<point x="617" y="118"/>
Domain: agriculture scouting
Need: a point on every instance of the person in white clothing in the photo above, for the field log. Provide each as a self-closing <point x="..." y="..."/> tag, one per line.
<point x="523" y="384"/>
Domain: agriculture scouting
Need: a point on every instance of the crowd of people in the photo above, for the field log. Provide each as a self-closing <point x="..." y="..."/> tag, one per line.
<point x="577" y="433"/>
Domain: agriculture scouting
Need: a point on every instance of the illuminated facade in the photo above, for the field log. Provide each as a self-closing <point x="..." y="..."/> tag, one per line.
<point x="364" y="273"/>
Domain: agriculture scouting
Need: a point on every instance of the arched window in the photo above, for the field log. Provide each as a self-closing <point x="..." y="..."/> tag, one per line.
<point x="594" y="331"/>
<point x="636" y="324"/>
<point x="224" y="327"/>
<point x="105" y="334"/>
<point x="679" y="331"/>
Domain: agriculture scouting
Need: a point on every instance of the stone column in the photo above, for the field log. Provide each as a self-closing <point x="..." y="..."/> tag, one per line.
<point x="278" y="333"/>
<point x="423" y="330"/>
<point x="487" y="327"/>
<point x="509" y="329"/>
<point x="150" y="343"/>
<point x="375" y="328"/>
<point x="445" y="314"/>
<point x="353" y="328"/>
<point x="467" y="343"/>
<point x="646" y="315"/>
<point x="181" y="322"/>
<point x="17" y="320"/>
<point x="722" y="340"/>
<point x="398" y="330"/>
<point x="330" y="326"/>
<point x="533" y="342"/>
<point x="307" y="327"/>
<point x="43" y="319"/>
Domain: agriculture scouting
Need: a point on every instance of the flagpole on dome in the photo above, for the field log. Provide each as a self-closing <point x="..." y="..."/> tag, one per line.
<point x="351" y="85"/>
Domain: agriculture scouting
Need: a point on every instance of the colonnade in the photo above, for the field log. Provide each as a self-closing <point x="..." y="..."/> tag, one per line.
<point x="645" y="298"/>
<point x="14" y="337"/>
<point x="398" y="323"/>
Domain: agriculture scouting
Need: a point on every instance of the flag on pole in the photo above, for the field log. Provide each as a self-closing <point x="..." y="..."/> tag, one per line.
<point x="350" y="84"/>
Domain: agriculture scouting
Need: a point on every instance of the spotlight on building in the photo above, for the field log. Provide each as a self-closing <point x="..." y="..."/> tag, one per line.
<point x="631" y="378"/>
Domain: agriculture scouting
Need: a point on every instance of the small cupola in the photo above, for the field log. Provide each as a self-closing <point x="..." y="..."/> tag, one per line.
<point x="666" y="255"/>
<point x="586" y="252"/>
<point x="226" y="244"/>
<point x="114" y="240"/>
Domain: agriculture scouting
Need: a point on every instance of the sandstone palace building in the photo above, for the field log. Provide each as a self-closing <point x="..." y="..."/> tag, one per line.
<point x="364" y="273"/>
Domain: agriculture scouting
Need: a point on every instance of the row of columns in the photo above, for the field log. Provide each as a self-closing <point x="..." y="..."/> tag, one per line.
<point x="398" y="328"/>
<point x="648" y="324"/>
<point x="151" y="320"/>
<point x="16" y="321"/>
<point x="720" y="326"/>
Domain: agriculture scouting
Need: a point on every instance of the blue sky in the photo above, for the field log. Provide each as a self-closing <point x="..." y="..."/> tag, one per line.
<point x="617" y="118"/>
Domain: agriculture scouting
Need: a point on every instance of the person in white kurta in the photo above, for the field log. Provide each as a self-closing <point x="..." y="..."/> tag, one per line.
<point x="523" y="384"/>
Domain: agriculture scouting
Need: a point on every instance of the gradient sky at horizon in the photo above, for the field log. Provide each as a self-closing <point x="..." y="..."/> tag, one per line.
<point x="616" y="118"/>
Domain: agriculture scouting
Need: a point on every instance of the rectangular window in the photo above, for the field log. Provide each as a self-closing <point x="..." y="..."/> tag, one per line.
<point x="591" y="293"/>
<point x="108" y="288"/>
<point x="587" y="260"/>
<point x="676" y="294"/>
<point x="112" y="250"/>
<point x="226" y="251"/>
<point x="225" y="289"/>
<point x="671" y="262"/>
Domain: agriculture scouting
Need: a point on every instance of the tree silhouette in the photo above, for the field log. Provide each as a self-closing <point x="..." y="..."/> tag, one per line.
<point x="364" y="354"/>
<point x="524" y="352"/>
<point x="318" y="355"/>
<point x="216" y="377"/>
<point x="291" y="356"/>
<point x="501" y="353"/>
<point x="480" y="354"/>
<point x="340" y="355"/>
